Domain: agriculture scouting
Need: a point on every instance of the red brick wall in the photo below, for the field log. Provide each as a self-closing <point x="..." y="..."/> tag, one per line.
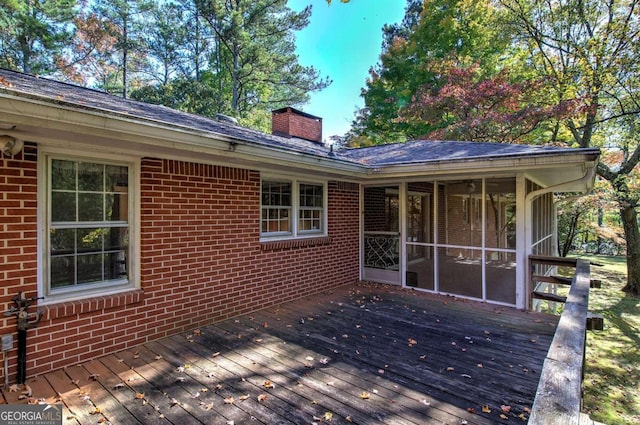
<point x="201" y="260"/>
<point x="18" y="243"/>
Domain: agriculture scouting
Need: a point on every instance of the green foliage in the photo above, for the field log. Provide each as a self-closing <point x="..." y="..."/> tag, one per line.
<point x="612" y="364"/>
<point x="461" y="32"/>
<point x="33" y="34"/>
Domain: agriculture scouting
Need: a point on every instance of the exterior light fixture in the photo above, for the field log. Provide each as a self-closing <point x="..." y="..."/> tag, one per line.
<point x="10" y="145"/>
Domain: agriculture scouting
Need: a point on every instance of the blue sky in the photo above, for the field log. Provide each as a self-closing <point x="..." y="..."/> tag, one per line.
<point x="342" y="41"/>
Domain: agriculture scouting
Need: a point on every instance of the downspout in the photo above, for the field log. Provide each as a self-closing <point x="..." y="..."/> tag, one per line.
<point x="585" y="179"/>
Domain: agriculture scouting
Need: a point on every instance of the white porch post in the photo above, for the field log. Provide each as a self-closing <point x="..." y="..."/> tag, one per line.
<point x="523" y="242"/>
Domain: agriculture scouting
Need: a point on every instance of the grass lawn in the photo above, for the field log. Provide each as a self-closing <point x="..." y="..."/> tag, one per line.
<point x="612" y="375"/>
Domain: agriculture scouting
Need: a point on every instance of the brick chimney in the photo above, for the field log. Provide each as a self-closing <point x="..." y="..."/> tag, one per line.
<point x="290" y="122"/>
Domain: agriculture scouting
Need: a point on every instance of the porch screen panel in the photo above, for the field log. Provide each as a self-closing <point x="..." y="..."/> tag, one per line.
<point x="419" y="252"/>
<point x="460" y="275"/>
<point x="381" y="228"/>
<point x="500" y="236"/>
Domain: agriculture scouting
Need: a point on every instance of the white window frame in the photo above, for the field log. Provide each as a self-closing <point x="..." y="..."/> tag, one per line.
<point x="295" y="232"/>
<point x="104" y="288"/>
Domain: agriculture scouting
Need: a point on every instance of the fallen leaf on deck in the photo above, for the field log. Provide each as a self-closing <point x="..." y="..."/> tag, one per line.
<point x="268" y="384"/>
<point x="158" y="357"/>
<point x="450" y="369"/>
<point x="505" y="408"/>
<point x="365" y="395"/>
<point x="486" y="409"/>
<point x="14" y="388"/>
<point x="412" y="342"/>
<point x="27" y="390"/>
<point x="324" y="360"/>
<point x="229" y="400"/>
<point x="181" y="379"/>
<point x="75" y="381"/>
<point x="197" y="332"/>
<point x="118" y="386"/>
<point x="348" y="419"/>
<point x="480" y="365"/>
<point x="244" y="397"/>
<point x="139" y="395"/>
<point x="471" y="410"/>
<point x="95" y="411"/>
<point x="262" y="397"/>
<point x="328" y="416"/>
<point x="94" y="377"/>
<point x="266" y="325"/>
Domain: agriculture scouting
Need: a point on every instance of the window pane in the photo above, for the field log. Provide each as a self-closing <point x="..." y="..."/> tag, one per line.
<point x="90" y="177"/>
<point x="63" y="175"/>
<point x="115" y="265"/>
<point x="90" y="268"/>
<point x="63" y="270"/>
<point x="117" y="178"/>
<point x="116" y="238"/>
<point x="90" y="206"/>
<point x="90" y="240"/>
<point x="117" y="206"/>
<point x="63" y="206"/>
<point x="63" y="241"/>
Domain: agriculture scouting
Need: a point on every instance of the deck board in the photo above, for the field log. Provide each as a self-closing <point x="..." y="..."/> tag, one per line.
<point x="363" y="354"/>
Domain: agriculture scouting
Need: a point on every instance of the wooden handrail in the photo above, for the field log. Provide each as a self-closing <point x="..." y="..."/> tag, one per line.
<point x="559" y="396"/>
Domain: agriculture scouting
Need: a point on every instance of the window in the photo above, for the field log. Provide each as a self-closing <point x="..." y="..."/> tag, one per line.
<point x="292" y="209"/>
<point x="88" y="227"/>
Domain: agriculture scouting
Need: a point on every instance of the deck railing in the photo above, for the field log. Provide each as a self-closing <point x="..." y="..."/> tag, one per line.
<point x="558" y="399"/>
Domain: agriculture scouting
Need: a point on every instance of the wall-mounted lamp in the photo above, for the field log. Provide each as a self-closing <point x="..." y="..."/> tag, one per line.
<point x="10" y="145"/>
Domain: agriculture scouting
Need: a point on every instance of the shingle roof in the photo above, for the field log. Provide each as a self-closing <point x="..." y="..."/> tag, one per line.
<point x="428" y="151"/>
<point x="77" y="97"/>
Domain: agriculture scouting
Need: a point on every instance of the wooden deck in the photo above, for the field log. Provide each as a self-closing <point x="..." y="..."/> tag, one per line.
<point x="361" y="354"/>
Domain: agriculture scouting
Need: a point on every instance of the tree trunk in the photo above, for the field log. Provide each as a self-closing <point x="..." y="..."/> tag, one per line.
<point x="632" y="235"/>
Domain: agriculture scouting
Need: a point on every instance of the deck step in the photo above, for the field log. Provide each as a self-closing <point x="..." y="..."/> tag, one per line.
<point x="549" y="297"/>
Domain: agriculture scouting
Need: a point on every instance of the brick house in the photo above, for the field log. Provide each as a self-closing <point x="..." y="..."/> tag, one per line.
<point x="135" y="221"/>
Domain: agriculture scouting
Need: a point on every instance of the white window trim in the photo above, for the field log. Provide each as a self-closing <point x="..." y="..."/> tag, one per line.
<point x="295" y="208"/>
<point x="72" y="294"/>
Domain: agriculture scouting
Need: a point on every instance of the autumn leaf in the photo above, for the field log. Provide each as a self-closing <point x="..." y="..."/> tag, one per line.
<point x="505" y="408"/>
<point x="229" y="400"/>
<point x="503" y="416"/>
<point x="95" y="411"/>
<point x="471" y="410"/>
<point x="450" y="369"/>
<point x="486" y="409"/>
<point x="262" y="397"/>
<point x="197" y="332"/>
<point x="139" y="396"/>
<point x="27" y="390"/>
<point x="268" y="384"/>
<point x="244" y="397"/>
<point x="94" y="377"/>
<point x="14" y="388"/>
<point x="412" y="342"/>
<point x="365" y="395"/>
<point x="328" y="416"/>
<point x="348" y="419"/>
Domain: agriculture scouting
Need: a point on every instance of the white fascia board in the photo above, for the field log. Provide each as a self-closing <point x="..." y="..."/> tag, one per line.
<point x="561" y="161"/>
